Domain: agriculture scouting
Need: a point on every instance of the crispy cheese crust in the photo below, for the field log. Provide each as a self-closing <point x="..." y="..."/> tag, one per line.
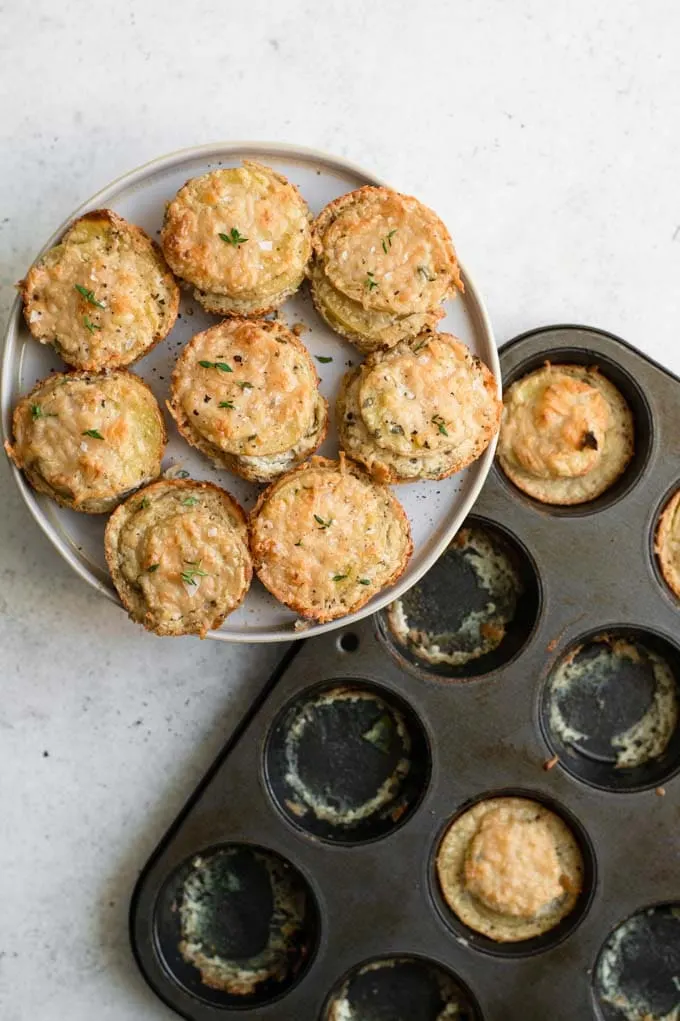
<point x="382" y="265"/>
<point x="241" y="237"/>
<point x="102" y="297"/>
<point x="667" y="543"/>
<point x="510" y="869"/>
<point x="88" y="439"/>
<point x="245" y="393"/>
<point x="325" y="538"/>
<point x="567" y="434"/>
<point x="424" y="409"/>
<point x="178" y="556"/>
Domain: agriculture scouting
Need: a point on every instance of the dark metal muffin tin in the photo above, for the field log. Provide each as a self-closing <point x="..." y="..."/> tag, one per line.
<point x="378" y="898"/>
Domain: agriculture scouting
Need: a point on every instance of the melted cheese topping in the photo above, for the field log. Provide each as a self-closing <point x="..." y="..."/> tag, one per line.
<point x="250" y="203"/>
<point x="566" y="435"/>
<point x="89" y="438"/>
<point x="180" y="543"/>
<point x="387" y="251"/>
<point x="424" y="401"/>
<point x="132" y="301"/>
<point x="557" y="426"/>
<point x="178" y="556"/>
<point x="668" y="543"/>
<point x="327" y="539"/>
<point x="257" y="394"/>
<point x="510" y="868"/>
<point x="424" y="409"/>
<point x="512" y="864"/>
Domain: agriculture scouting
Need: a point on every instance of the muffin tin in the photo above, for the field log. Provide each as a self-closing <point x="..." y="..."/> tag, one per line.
<point x="379" y="942"/>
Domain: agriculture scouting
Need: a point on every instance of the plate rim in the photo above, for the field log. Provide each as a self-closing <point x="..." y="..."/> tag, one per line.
<point x="128" y="179"/>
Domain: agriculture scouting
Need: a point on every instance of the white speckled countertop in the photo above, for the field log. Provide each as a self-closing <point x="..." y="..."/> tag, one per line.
<point x="544" y="134"/>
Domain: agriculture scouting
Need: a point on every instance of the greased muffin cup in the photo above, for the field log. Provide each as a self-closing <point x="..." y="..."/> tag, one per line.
<point x="361" y="753"/>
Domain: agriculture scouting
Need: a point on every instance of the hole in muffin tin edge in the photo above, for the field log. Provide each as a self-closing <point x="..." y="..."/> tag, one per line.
<point x="613" y="779"/>
<point x="642" y="417"/>
<point x="167" y="935"/>
<point x="471" y="939"/>
<point x="521" y="629"/>
<point x="408" y="796"/>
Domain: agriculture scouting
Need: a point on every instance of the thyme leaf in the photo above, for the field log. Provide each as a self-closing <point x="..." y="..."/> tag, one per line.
<point x="233" y="237"/>
<point x="88" y="296"/>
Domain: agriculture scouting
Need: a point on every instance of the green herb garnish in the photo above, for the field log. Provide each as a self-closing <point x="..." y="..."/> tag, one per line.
<point x="143" y="503"/>
<point x="419" y="347"/>
<point x="189" y="501"/>
<point x="226" y="404"/>
<point x="321" y="523"/>
<point x="298" y="543"/>
<point x="90" y="325"/>
<point x="152" y="567"/>
<point x="380" y="734"/>
<point x="245" y="385"/>
<point x="371" y="283"/>
<point x="192" y="572"/>
<point x="324" y="359"/>
<point x="88" y="296"/>
<point x="93" y="434"/>
<point x="340" y="577"/>
<point x="439" y="422"/>
<point x="364" y="581"/>
<point x="37" y="412"/>
<point x="183" y="474"/>
<point x="222" y="366"/>
<point x="233" y="237"/>
<point x="387" y="240"/>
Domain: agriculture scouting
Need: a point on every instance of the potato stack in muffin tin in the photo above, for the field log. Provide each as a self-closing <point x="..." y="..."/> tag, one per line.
<point x="567" y="434"/>
<point x="327" y="535"/>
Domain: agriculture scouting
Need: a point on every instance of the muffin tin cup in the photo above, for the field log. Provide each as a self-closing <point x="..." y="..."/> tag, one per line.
<point x="375" y="898"/>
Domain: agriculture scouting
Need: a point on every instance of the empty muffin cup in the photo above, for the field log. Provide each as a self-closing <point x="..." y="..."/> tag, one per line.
<point x="347" y="761"/>
<point x="637" y="974"/>
<point x="473" y="610"/>
<point x="610" y="710"/>
<point x="401" y="989"/>
<point x="513" y="874"/>
<point x="236" y="925"/>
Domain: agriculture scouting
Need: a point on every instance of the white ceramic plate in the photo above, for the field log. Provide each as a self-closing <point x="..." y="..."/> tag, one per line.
<point x="435" y="509"/>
